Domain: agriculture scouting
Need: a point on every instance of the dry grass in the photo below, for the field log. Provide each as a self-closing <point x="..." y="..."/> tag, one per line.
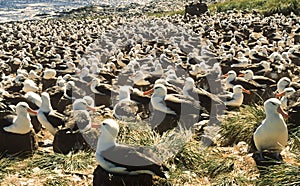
<point x="189" y="162"/>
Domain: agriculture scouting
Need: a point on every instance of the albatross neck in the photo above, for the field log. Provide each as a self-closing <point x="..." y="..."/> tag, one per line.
<point x="105" y="142"/>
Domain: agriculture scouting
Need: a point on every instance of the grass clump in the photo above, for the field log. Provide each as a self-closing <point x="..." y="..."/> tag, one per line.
<point x="206" y="166"/>
<point x="240" y="126"/>
<point x="141" y="134"/>
<point x="57" y="180"/>
<point x="5" y="163"/>
<point x="265" y="7"/>
<point x="69" y="163"/>
<point x="284" y="174"/>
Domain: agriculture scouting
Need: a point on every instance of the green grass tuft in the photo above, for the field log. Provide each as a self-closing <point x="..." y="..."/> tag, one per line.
<point x="284" y="174"/>
<point x="5" y="164"/>
<point x="265" y="7"/>
<point x="240" y="126"/>
<point x="69" y="163"/>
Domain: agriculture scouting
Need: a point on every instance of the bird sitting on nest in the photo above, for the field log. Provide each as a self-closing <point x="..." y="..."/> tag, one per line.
<point x="48" y="117"/>
<point x="16" y="132"/>
<point x="170" y="109"/>
<point x="77" y="135"/>
<point x="236" y="98"/>
<point x="123" y="164"/>
<point x="272" y="134"/>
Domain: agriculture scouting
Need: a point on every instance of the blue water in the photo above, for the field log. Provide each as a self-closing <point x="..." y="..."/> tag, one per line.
<point x="14" y="10"/>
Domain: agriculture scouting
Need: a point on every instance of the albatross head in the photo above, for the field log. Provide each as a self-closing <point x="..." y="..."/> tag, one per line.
<point x="94" y="82"/>
<point x="248" y="74"/>
<point x="110" y="127"/>
<point x="189" y="83"/>
<point x="159" y="90"/>
<point x="282" y="84"/>
<point x="287" y="92"/>
<point x="230" y="76"/>
<point x="272" y="107"/>
<point x="240" y="89"/>
<point x="46" y="104"/>
<point x="81" y="104"/>
<point x="22" y="108"/>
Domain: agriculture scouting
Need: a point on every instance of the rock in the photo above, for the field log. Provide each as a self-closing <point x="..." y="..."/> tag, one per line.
<point x="195" y="9"/>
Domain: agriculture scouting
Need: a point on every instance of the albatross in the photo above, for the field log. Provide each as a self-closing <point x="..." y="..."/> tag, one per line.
<point x="125" y="159"/>
<point x="272" y="134"/>
<point x="78" y="134"/>
<point x="169" y="109"/>
<point x="125" y="108"/>
<point x="48" y="117"/>
<point x="16" y="134"/>
<point x="236" y="98"/>
<point x="21" y="123"/>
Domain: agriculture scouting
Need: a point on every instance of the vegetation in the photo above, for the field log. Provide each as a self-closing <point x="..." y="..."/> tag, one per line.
<point x="265" y="7"/>
<point x="183" y="153"/>
<point x="239" y="126"/>
<point x="190" y="163"/>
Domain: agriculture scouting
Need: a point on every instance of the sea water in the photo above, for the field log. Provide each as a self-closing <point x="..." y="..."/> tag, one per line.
<point x="17" y="10"/>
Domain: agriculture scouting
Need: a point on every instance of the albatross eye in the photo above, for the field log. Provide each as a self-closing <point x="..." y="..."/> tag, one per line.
<point x="273" y="103"/>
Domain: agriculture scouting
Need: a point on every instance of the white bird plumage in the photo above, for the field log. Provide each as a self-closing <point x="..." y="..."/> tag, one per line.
<point x="272" y="134"/>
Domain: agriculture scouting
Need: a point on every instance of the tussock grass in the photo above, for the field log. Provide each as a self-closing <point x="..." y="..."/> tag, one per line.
<point x="189" y="162"/>
<point x="265" y="7"/>
<point x="285" y="174"/>
<point x="206" y="166"/>
<point x="49" y="169"/>
<point x="166" y="145"/>
<point x="56" y="180"/>
<point x="5" y="163"/>
<point x="240" y="126"/>
<point x="69" y="163"/>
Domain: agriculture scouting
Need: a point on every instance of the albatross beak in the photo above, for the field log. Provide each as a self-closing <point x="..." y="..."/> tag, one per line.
<point x="282" y="112"/>
<point x="241" y="75"/>
<point x="224" y="76"/>
<point x="148" y="92"/>
<point x="246" y="91"/>
<point x="91" y="108"/>
<point x="89" y="83"/>
<point x="32" y="111"/>
<point x="96" y="125"/>
<point x="278" y="95"/>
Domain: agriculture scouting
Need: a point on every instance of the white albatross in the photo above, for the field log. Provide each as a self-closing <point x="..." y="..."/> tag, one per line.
<point x="81" y="115"/>
<point x="283" y="83"/>
<point x="125" y="108"/>
<point x="124" y="159"/>
<point x="48" y="117"/>
<point x="285" y="95"/>
<point x="21" y="124"/>
<point x="236" y="98"/>
<point x="272" y="134"/>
